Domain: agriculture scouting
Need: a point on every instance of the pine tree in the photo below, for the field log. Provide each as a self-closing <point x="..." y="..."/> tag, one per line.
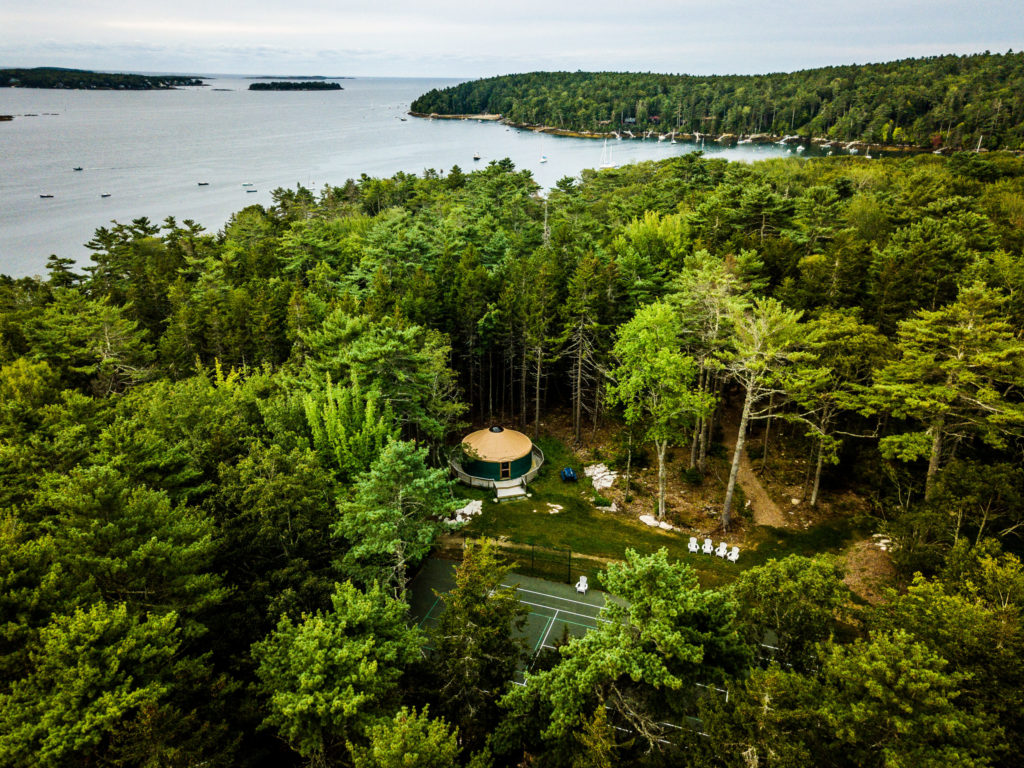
<point x="955" y="376"/>
<point x="349" y="429"/>
<point x="476" y="643"/>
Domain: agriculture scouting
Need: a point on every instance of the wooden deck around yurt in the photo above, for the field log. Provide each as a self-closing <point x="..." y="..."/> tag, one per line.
<point x="499" y="459"/>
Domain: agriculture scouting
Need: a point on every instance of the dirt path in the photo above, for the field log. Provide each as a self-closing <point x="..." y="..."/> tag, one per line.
<point x="868" y="570"/>
<point x="766" y="511"/>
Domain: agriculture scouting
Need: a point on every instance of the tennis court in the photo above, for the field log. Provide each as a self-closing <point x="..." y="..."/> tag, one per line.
<point x="554" y="608"/>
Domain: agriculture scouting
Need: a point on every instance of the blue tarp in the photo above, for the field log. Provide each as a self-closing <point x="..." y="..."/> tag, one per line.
<point x="569" y="474"/>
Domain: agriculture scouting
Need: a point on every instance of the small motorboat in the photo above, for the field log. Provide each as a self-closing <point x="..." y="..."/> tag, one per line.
<point x="104" y="194"/>
<point x="77" y="168"/>
<point x="204" y="183"/>
<point x="46" y="197"/>
<point x="476" y="155"/>
<point x="252" y="190"/>
<point x="246" y="183"/>
<point x="543" y="158"/>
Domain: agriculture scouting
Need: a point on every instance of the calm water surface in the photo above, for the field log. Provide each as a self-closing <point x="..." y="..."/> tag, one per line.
<point x="150" y="149"/>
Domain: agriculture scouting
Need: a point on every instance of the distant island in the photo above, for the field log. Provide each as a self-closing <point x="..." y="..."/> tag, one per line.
<point x="83" y="79"/>
<point x="939" y="103"/>
<point x="299" y="77"/>
<point x="305" y="85"/>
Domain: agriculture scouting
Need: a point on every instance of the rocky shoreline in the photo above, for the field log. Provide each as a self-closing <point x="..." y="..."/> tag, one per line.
<point x="483" y="118"/>
<point x="726" y="139"/>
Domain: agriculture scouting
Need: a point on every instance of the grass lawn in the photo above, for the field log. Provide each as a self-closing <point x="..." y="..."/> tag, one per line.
<point x="579" y="526"/>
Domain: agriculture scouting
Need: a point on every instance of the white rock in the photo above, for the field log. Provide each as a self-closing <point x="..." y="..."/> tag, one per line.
<point x="794" y="502"/>
<point x="471" y="509"/>
<point x="648" y="520"/>
<point x="665" y="526"/>
<point x="600" y="476"/>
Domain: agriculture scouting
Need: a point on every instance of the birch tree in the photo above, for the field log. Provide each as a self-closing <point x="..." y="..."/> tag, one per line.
<point x="707" y="296"/>
<point x="764" y="340"/>
<point x="654" y="381"/>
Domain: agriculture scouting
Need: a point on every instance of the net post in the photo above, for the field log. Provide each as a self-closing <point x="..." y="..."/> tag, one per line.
<point x="569" y="573"/>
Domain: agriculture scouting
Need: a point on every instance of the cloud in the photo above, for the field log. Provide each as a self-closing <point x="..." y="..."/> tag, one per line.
<point x="461" y="38"/>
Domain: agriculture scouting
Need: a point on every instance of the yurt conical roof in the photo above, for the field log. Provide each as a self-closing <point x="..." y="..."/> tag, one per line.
<point x="496" y="444"/>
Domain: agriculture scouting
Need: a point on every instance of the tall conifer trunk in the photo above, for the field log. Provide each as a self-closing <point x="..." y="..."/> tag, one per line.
<point x="741" y="437"/>
<point x="522" y="388"/>
<point x="662" y="446"/>
<point x="817" y="473"/>
<point x="698" y="427"/>
<point x="935" y="458"/>
<point x="578" y="397"/>
<point x="536" y="393"/>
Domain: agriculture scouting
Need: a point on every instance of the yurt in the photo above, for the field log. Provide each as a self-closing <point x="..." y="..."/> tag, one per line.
<point x="497" y="454"/>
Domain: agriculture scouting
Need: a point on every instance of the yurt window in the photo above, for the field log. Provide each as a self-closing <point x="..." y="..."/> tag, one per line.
<point x="506" y="470"/>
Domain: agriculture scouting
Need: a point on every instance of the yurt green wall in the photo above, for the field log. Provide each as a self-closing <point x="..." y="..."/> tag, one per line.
<point x="492" y="469"/>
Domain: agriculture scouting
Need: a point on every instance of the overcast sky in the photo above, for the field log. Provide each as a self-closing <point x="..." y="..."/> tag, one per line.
<point x="460" y="38"/>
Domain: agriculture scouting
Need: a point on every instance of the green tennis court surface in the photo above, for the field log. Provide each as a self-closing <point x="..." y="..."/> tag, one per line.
<point x="553" y="607"/>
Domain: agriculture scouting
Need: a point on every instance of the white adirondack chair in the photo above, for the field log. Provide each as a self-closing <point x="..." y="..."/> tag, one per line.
<point x="709" y="546"/>
<point x="693" y="545"/>
<point x="723" y="549"/>
<point x="581" y="585"/>
<point x="734" y="554"/>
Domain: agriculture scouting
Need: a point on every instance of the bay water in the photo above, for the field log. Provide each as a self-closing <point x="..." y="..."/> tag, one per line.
<point x="149" y="151"/>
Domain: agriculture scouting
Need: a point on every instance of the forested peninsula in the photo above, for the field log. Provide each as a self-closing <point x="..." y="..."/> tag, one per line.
<point x="291" y="85"/>
<point x="952" y="102"/>
<point x="58" y="77"/>
<point x="224" y="471"/>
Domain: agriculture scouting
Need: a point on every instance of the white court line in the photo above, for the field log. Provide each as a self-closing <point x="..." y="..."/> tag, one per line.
<point x="550" y="625"/>
<point x="562" y="610"/>
<point x="555" y="597"/>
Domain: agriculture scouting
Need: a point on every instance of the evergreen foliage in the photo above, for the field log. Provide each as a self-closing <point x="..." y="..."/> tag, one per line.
<point x="222" y="458"/>
<point x="952" y="101"/>
<point x="60" y="77"/>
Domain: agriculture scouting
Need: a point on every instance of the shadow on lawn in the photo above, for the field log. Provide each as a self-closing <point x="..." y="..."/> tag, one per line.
<point x="578" y="526"/>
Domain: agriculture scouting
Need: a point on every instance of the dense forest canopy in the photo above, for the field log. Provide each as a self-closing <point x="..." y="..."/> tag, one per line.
<point x="222" y="457"/>
<point x="941" y="101"/>
<point x="59" y="77"/>
<point x="292" y="85"/>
